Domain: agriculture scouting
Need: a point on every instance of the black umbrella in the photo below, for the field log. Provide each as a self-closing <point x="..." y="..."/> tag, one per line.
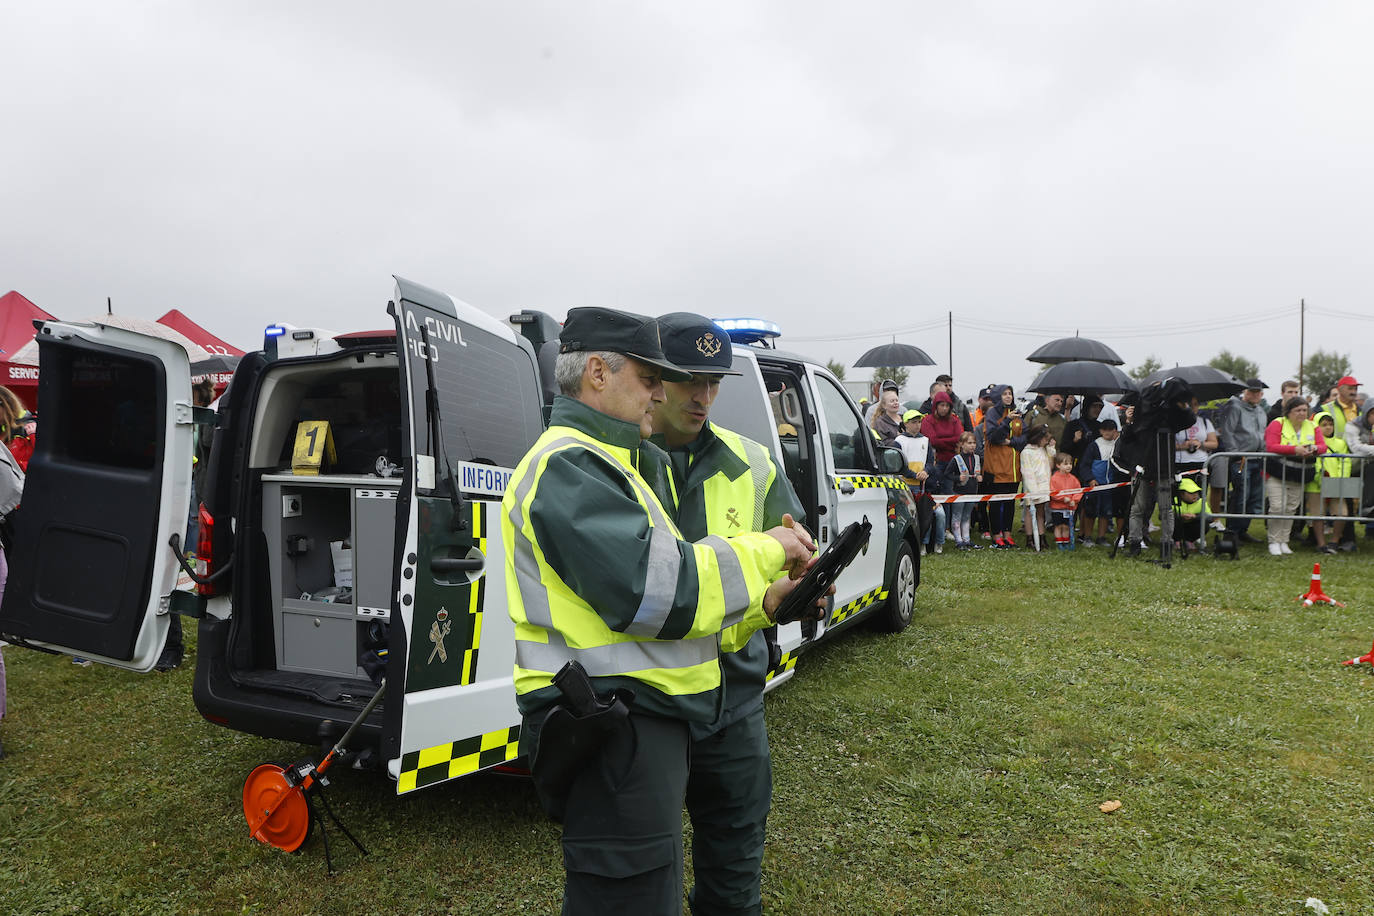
<point x="215" y="365"/>
<point x="1207" y="382"/>
<point x="1081" y="377"/>
<point x="1066" y="349"/>
<point x="894" y="354"/>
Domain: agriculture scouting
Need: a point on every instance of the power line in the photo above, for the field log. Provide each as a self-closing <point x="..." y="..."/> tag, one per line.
<point x="1337" y="313"/>
<point x="876" y="333"/>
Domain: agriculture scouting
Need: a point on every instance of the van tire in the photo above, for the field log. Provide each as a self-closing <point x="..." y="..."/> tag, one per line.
<point x="901" y="593"/>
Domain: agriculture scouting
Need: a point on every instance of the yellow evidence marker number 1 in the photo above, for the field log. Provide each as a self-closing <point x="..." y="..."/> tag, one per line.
<point x="314" y="447"/>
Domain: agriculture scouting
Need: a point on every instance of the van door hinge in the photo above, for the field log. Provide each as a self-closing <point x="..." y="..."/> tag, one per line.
<point x="182" y="413"/>
<point x="187" y="604"/>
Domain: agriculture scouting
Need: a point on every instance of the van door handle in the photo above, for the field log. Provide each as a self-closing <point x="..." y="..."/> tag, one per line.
<point x="846" y="487"/>
<point x="456" y="564"/>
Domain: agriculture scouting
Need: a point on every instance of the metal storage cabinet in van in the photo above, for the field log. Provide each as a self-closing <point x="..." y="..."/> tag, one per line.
<point x="325" y="607"/>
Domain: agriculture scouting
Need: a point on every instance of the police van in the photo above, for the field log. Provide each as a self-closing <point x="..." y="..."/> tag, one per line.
<point x="348" y="524"/>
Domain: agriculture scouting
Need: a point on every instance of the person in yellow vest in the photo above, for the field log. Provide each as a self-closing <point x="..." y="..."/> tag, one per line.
<point x="618" y="618"/>
<point x="1343" y="408"/>
<point x="725" y="484"/>
<point x="1188" y="513"/>
<point x="1334" y="464"/>
<point x="1294" y="442"/>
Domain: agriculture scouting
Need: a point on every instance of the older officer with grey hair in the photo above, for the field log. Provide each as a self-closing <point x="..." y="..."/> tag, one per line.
<point x="618" y="618"/>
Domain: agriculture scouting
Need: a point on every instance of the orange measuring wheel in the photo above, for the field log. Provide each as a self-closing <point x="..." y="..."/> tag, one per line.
<point x="275" y="808"/>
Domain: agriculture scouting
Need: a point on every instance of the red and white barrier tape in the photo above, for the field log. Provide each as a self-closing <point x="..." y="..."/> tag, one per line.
<point x="999" y="497"/>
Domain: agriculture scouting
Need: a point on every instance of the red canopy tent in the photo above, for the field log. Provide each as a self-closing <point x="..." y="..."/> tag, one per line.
<point x="17" y="315"/>
<point x="179" y="322"/>
<point x="214" y="345"/>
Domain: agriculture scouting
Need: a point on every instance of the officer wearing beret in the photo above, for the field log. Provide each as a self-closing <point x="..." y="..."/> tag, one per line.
<point x="598" y="573"/>
<point x="725" y="485"/>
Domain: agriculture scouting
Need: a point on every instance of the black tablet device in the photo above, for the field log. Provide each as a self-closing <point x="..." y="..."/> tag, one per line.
<point x="824" y="572"/>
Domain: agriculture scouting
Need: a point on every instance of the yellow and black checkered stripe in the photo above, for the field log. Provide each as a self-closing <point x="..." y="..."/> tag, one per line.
<point x="869" y="481"/>
<point x="476" y="593"/>
<point x="457" y="758"/>
<point x="841" y="614"/>
<point x="789" y="661"/>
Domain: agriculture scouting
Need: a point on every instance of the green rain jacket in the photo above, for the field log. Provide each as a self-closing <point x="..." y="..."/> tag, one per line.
<point x="597" y="571"/>
<point x="726" y="485"/>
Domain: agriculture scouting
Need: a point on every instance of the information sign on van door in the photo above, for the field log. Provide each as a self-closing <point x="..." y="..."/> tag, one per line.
<point x="486" y="479"/>
<point x="314" y="448"/>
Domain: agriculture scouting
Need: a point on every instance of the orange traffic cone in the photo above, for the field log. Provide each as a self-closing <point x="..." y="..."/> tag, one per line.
<point x="1315" y="595"/>
<point x="1366" y="659"/>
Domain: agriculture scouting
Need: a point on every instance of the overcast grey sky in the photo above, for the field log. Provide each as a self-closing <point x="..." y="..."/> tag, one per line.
<point x="843" y="169"/>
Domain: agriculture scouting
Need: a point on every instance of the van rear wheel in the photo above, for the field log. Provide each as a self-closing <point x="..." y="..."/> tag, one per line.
<point x="901" y="593"/>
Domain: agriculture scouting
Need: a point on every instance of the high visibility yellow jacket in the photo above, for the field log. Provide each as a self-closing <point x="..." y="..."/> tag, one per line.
<point x="726" y="484"/>
<point x="1336" y="461"/>
<point x="597" y="571"/>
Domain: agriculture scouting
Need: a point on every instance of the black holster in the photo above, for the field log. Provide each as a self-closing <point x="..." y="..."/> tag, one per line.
<point x="573" y="734"/>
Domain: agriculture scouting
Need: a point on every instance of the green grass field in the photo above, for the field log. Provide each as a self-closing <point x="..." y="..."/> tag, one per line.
<point x="957" y="767"/>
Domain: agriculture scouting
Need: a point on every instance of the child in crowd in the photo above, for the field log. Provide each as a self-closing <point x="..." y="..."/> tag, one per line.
<point x="1036" y="470"/>
<point x="965" y="472"/>
<point x="1188" y="513"/>
<point x="916" y="450"/>
<point x="1335" y="463"/>
<point x="1094" y="469"/>
<point x="1063" y="504"/>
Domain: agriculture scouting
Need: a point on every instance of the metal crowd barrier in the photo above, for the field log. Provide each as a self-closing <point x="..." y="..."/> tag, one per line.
<point x="1357" y="489"/>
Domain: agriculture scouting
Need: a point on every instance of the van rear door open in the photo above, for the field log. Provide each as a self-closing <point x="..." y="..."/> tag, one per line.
<point x="91" y="572"/>
<point x="473" y="410"/>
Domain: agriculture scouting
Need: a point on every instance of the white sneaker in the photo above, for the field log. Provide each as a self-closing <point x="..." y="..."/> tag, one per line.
<point x="1218" y="525"/>
<point x="1284" y="548"/>
<point x="939" y="548"/>
<point x="1275" y="550"/>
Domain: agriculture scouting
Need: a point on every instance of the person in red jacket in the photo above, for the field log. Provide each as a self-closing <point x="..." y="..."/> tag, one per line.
<point x="943" y="428"/>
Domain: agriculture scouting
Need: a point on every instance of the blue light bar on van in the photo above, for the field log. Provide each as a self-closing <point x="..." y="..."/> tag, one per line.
<point x="273" y="330"/>
<point x="749" y="330"/>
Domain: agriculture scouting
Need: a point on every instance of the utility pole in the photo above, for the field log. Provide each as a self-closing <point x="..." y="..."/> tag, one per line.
<point x="951" y="345"/>
<point x="1302" y="327"/>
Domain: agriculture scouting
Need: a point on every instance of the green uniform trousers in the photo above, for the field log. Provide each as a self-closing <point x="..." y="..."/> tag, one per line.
<point x="622" y="825"/>
<point x="728" y="797"/>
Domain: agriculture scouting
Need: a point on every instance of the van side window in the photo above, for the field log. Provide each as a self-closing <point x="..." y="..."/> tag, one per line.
<point x="489" y="400"/>
<point x="112" y="410"/>
<point x="845" y="428"/>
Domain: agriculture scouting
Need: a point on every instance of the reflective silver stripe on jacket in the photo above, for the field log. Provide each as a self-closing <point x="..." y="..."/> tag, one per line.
<point x="732" y="584"/>
<point x="758" y="467"/>
<point x="660" y="584"/>
<point x="616" y="658"/>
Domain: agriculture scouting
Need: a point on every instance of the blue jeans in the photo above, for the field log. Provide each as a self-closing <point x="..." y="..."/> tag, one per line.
<point x="1246" y="493"/>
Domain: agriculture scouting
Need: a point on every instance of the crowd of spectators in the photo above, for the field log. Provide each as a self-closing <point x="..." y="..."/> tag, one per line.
<point x="1033" y="458"/>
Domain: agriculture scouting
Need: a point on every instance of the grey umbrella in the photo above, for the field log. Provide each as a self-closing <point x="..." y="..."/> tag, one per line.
<point x="894" y="354"/>
<point x="1066" y="349"/>
<point x="214" y="365"/>
<point x="1207" y="382"/>
<point x="1081" y="377"/>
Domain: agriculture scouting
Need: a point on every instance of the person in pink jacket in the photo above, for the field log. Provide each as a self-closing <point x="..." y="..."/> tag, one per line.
<point x="1294" y="442"/>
